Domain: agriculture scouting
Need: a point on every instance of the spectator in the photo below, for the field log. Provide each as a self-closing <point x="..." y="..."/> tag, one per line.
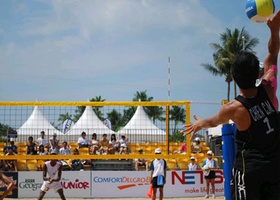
<point x="141" y="161"/>
<point x="76" y="164"/>
<point x="64" y="150"/>
<point x="31" y="148"/>
<point x="196" y="146"/>
<point x="54" y="143"/>
<point x="208" y="167"/>
<point x="42" y="150"/>
<point x="42" y="140"/>
<point x="10" y="165"/>
<point x="193" y="166"/>
<point x="123" y="144"/>
<point x="94" y="144"/>
<point x="114" y="144"/>
<point x="104" y="144"/>
<point x="158" y="175"/>
<point x="182" y="149"/>
<point x="83" y="142"/>
<point x="11" y="146"/>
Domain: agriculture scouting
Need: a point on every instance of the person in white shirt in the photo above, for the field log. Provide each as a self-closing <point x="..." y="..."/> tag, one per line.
<point x="51" y="175"/>
<point x="208" y="167"/>
<point x="42" y="141"/>
<point x="158" y="175"/>
<point x="54" y="142"/>
<point x="193" y="166"/>
<point x="83" y="141"/>
<point x="64" y="150"/>
<point x="123" y="144"/>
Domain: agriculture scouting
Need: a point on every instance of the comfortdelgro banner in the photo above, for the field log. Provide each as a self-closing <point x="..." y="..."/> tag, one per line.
<point x="136" y="184"/>
<point x="74" y="183"/>
<point x="14" y="177"/>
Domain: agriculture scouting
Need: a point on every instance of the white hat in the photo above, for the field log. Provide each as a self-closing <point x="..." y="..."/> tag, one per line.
<point x="209" y="152"/>
<point x="197" y="139"/>
<point x="158" y="150"/>
<point x="192" y="158"/>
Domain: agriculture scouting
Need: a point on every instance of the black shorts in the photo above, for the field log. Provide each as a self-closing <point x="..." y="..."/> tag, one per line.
<point x="211" y="175"/>
<point x="154" y="183"/>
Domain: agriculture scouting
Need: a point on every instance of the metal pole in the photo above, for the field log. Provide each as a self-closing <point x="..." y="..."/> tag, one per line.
<point x="169" y="78"/>
<point x="243" y="43"/>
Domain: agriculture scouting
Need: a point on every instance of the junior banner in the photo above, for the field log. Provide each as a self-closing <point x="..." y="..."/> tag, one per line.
<point x="74" y="183"/>
<point x="136" y="184"/>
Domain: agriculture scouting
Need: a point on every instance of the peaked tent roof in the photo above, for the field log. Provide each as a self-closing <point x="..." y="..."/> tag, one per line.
<point x="89" y="123"/>
<point x="140" y="128"/>
<point x="37" y="123"/>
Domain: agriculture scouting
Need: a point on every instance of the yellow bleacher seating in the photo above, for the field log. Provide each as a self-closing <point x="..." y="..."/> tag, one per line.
<point x="171" y="163"/>
<point x="40" y="164"/>
<point x="73" y="145"/>
<point x="32" y="165"/>
<point x="183" y="163"/>
<point x="21" y="165"/>
<point x="21" y="144"/>
<point x="83" y="151"/>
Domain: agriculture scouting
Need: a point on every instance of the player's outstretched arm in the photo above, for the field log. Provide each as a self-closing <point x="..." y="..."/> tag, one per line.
<point x="273" y="43"/>
<point x="223" y="116"/>
<point x="9" y="183"/>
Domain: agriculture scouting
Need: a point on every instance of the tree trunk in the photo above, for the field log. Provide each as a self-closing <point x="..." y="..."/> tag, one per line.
<point x="228" y="90"/>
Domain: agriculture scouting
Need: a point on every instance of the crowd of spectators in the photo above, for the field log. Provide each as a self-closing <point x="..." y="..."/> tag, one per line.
<point x="44" y="146"/>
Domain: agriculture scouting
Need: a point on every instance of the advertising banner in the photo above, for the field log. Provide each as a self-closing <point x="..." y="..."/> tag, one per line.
<point x="14" y="177"/>
<point x="120" y="183"/>
<point x="136" y="184"/>
<point x="74" y="183"/>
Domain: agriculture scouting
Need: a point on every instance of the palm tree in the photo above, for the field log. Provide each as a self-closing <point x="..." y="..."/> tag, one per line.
<point x="96" y="109"/>
<point x="155" y="113"/>
<point x="115" y="118"/>
<point x="225" y="53"/>
<point x="178" y="114"/>
<point x="142" y="96"/>
<point x="138" y="96"/>
<point x="63" y="117"/>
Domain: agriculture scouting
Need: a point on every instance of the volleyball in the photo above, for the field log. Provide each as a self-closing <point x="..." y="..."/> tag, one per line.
<point x="259" y="10"/>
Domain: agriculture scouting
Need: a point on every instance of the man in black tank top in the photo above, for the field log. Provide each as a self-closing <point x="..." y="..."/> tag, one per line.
<point x="256" y="170"/>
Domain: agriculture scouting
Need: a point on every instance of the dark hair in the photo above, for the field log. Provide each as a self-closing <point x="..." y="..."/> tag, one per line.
<point x="30" y="137"/>
<point x="104" y="134"/>
<point x="41" y="146"/>
<point x="245" y="70"/>
<point x="83" y="133"/>
<point x="94" y="134"/>
<point x="76" y="150"/>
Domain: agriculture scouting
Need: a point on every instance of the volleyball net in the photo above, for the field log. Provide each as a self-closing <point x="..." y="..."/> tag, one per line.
<point x="155" y="123"/>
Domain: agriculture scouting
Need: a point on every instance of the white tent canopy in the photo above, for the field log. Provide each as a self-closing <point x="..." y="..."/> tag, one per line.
<point x="89" y="123"/>
<point x="35" y="124"/>
<point x="141" y="129"/>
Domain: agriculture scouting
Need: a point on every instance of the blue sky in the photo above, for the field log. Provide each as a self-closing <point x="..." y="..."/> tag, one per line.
<point x="64" y="50"/>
